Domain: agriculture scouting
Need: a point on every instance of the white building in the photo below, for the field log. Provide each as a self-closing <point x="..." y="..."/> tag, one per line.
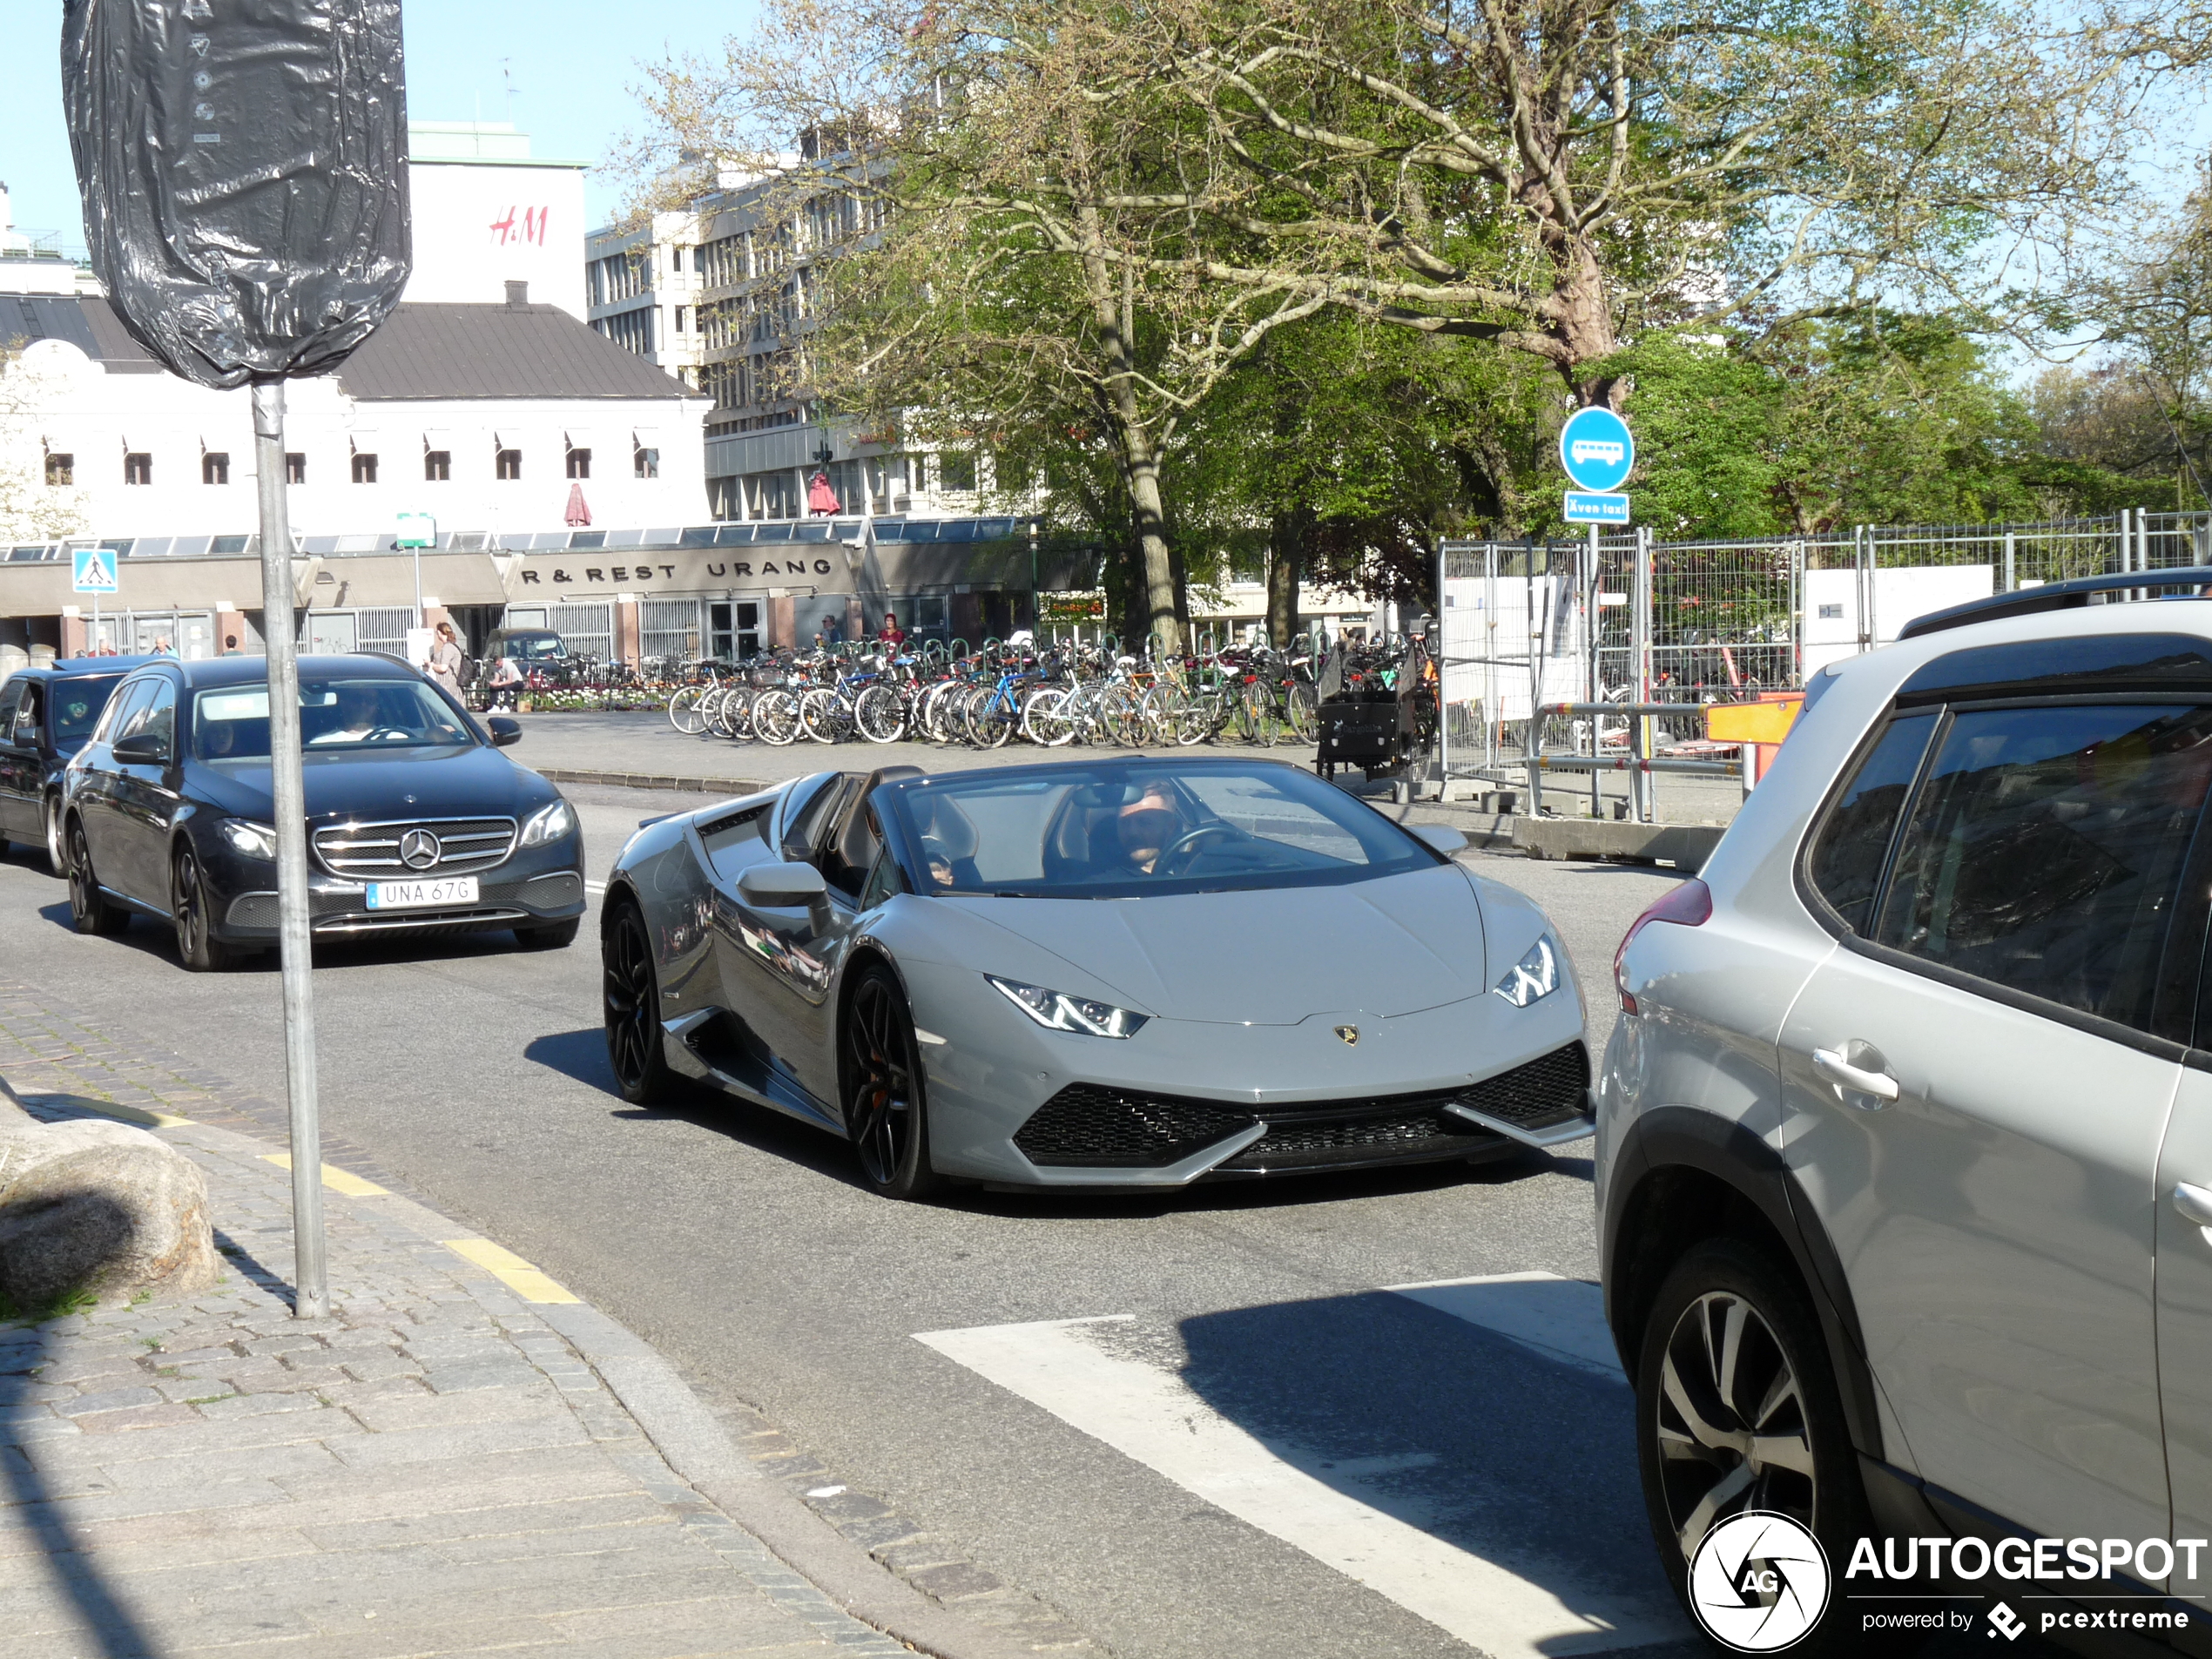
<point x="487" y="212"/>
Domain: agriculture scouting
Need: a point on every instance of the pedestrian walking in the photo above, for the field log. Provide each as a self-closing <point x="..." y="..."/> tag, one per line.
<point x="446" y="659"/>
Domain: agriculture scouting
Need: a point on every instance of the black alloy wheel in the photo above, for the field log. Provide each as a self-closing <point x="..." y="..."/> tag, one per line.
<point x="632" y="997"/>
<point x="885" y="1111"/>
<point x="197" y="945"/>
<point x="90" y="910"/>
<point x="1737" y="1409"/>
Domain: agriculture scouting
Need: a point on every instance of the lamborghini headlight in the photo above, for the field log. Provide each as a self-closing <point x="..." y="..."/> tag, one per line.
<point x="1535" y="977"/>
<point x="1058" y="1011"/>
<point x="548" y="823"/>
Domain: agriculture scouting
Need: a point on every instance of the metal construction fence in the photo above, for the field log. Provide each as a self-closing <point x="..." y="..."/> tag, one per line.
<point x="1617" y="619"/>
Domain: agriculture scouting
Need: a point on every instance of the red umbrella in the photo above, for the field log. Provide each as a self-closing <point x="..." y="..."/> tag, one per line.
<point x="579" y="515"/>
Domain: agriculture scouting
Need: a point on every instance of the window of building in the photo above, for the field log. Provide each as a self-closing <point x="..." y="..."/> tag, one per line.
<point x="437" y="466"/>
<point x="60" y="470"/>
<point x="295" y="468"/>
<point x="957" y="470"/>
<point x="647" y="463"/>
<point x="214" y="468"/>
<point x="680" y="319"/>
<point x="579" y="463"/>
<point x="675" y="258"/>
<point x="509" y="465"/>
<point x="137" y="468"/>
<point x="364" y="469"/>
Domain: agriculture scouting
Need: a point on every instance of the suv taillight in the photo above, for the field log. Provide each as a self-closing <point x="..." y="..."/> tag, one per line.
<point x="1688" y="906"/>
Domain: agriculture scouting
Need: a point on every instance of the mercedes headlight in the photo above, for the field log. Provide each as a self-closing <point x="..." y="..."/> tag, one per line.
<point x="548" y="823"/>
<point x="1058" y="1011"/>
<point x="254" y="840"/>
<point x="1535" y="977"/>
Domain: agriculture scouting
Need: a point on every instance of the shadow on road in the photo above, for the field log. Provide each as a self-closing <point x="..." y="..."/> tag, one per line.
<point x="38" y="1506"/>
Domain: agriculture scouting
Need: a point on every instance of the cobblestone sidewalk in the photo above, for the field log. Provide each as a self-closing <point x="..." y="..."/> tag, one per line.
<point x="433" y="1470"/>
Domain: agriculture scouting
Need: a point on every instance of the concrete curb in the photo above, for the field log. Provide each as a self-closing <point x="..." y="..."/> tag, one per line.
<point x="731" y="787"/>
<point x="1684" y="845"/>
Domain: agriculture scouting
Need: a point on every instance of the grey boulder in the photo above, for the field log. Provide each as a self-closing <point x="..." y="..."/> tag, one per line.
<point x="99" y="1207"/>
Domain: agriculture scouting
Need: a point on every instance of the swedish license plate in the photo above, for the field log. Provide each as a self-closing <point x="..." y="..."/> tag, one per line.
<point x="422" y="895"/>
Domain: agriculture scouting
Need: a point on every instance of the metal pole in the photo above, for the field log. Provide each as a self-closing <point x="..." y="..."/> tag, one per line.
<point x="312" y="1291"/>
<point x="1442" y="657"/>
<point x="2012" y="563"/>
<point x="1639" y="726"/>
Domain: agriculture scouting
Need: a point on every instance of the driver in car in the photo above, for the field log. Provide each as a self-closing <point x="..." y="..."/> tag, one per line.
<point x="1147" y="826"/>
<point x="357" y="716"/>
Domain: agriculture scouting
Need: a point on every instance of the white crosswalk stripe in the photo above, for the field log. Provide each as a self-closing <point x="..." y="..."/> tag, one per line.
<point x="1071" y="1369"/>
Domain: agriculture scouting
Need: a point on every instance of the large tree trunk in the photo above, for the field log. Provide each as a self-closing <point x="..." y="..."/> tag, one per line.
<point x="1287" y="534"/>
<point x="1112" y="313"/>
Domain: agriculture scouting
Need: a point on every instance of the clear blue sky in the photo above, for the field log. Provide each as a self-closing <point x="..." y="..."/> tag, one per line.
<point x="573" y="66"/>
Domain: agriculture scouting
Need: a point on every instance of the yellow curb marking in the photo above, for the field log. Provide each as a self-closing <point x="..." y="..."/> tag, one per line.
<point x="510" y="1269"/>
<point x="336" y="1179"/>
<point x="133" y="1115"/>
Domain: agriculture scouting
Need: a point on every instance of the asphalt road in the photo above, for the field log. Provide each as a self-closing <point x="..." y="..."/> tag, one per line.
<point x="741" y="1244"/>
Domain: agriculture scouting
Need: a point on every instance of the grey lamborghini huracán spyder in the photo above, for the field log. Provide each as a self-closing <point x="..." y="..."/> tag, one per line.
<point x="1126" y="972"/>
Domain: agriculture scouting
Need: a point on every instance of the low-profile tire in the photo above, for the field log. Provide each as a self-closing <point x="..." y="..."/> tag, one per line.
<point x="631" y="999"/>
<point x="1731" y="1347"/>
<point x="553" y="936"/>
<point x="90" y="910"/>
<point x="189" y="912"/>
<point x="57" y="848"/>
<point x="886" y="1111"/>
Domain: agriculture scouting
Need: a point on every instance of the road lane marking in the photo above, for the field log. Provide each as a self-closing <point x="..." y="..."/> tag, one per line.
<point x="1153" y="1417"/>
<point x="511" y="1271"/>
<point x="1561" y="1319"/>
<point x="595" y="886"/>
<point x="334" y="1177"/>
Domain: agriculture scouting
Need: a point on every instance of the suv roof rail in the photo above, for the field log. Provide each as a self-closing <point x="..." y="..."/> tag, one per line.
<point x="2057" y="596"/>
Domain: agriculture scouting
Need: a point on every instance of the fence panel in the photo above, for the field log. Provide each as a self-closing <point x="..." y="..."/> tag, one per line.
<point x="587" y="630"/>
<point x="668" y="628"/>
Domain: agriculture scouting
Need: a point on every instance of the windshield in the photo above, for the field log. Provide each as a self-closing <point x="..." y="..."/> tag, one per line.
<point x="531" y="648"/>
<point x="1126" y="829"/>
<point x="77" y="702"/>
<point x="335" y="715"/>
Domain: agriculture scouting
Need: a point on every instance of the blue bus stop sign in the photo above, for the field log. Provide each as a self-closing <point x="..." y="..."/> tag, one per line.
<point x="1595" y="448"/>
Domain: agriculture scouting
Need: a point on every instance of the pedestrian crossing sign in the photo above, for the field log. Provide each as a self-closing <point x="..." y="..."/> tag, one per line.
<point x="95" y="570"/>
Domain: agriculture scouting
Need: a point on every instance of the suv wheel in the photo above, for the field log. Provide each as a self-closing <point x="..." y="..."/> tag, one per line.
<point x="1737" y="1407"/>
<point x="90" y="910"/>
<point x="191" y="911"/>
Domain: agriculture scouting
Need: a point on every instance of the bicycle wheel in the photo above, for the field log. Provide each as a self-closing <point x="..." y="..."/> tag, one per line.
<point x="991" y="719"/>
<point x="879" y="715"/>
<point x="735" y="712"/>
<point x="1165" y="708"/>
<point x="775" y="718"/>
<point x="1045" y="721"/>
<point x="1304" y="713"/>
<point x="826" y="716"/>
<point x="683" y="710"/>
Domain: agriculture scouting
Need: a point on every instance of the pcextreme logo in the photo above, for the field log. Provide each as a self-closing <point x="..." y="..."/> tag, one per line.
<point x="1759" y="1583"/>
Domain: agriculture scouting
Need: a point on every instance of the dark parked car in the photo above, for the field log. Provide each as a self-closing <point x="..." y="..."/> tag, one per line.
<point x="531" y="647"/>
<point x="46" y="714"/>
<point x="415" y="822"/>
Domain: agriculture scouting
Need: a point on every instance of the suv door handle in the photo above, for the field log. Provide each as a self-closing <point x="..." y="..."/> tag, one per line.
<point x="2194" y="1203"/>
<point x="1879" y="1084"/>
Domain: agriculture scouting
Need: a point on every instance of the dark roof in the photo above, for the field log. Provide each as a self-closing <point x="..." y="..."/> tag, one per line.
<point x="69" y="668"/>
<point x="206" y="671"/>
<point x="454" y="351"/>
<point x="427" y="351"/>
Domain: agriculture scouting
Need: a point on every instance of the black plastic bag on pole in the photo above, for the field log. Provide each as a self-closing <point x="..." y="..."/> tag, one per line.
<point x="243" y="165"/>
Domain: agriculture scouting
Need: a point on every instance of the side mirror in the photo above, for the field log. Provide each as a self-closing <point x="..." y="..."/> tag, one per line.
<point x="783" y="886"/>
<point x="504" y="732"/>
<point x="143" y="749"/>
<point x="1441" y="837"/>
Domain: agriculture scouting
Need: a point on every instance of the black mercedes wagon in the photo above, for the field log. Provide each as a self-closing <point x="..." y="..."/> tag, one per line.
<point x="415" y="822"/>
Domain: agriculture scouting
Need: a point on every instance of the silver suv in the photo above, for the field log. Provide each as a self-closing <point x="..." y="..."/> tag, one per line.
<point x="1905" y="1135"/>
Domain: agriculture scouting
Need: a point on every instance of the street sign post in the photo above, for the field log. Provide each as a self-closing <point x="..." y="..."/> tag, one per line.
<point x="245" y="180"/>
<point x="94" y="572"/>
<point x="417" y="531"/>
<point x="1583" y="508"/>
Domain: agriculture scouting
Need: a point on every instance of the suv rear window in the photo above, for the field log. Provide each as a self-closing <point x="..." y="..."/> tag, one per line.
<point x="1854" y="844"/>
<point x="2045" y="850"/>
